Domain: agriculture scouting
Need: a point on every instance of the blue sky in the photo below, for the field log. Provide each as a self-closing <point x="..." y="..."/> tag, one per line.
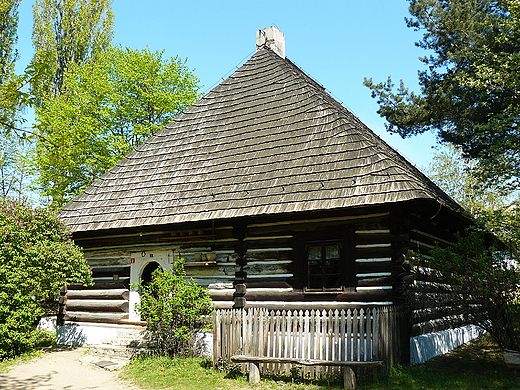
<point x="337" y="43"/>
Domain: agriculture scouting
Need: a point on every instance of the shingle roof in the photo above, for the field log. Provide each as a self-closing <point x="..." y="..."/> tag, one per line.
<point x="266" y="140"/>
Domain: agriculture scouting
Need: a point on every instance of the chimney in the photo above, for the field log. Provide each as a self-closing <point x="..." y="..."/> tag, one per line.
<point x="272" y="39"/>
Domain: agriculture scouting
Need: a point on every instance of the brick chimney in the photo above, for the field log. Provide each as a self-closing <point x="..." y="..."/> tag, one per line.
<point x="272" y="39"/>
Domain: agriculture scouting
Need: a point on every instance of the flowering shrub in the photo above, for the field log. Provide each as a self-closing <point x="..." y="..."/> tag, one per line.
<point x="37" y="259"/>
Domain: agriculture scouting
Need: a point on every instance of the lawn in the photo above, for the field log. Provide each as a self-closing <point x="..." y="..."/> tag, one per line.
<point x="478" y="365"/>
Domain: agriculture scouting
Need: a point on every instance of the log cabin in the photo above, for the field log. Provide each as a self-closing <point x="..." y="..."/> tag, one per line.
<point x="275" y="195"/>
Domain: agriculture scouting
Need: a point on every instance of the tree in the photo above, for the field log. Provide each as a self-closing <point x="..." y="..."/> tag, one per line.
<point x="470" y="90"/>
<point x="490" y="206"/>
<point x="456" y="176"/>
<point x="37" y="259"/>
<point x="107" y="108"/>
<point x="67" y="32"/>
<point x="176" y="309"/>
<point x="9" y="84"/>
<point x="12" y="172"/>
<point x="474" y="282"/>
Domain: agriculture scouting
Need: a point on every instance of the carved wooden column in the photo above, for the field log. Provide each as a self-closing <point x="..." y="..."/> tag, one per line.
<point x="239" y="232"/>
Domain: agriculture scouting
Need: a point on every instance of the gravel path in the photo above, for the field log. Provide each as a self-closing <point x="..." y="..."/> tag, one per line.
<point x="70" y="370"/>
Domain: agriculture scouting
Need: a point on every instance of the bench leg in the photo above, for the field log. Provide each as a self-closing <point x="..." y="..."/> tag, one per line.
<point x="349" y="378"/>
<point x="254" y="373"/>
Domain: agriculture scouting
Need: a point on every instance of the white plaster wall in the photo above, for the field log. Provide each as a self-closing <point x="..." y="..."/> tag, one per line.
<point x="87" y="334"/>
<point x="427" y="346"/>
<point x="112" y="334"/>
<point x="139" y="261"/>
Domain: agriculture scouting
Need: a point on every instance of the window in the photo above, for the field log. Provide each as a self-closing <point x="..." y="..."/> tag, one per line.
<point x="324" y="266"/>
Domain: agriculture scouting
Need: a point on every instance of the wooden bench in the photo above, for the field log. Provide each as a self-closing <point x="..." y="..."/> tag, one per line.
<point x="349" y="377"/>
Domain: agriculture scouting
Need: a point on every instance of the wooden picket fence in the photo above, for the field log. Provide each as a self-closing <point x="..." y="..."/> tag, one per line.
<point x="357" y="334"/>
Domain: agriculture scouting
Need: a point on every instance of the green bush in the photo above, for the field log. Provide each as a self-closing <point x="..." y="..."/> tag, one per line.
<point x="37" y="259"/>
<point x="176" y="310"/>
<point x="479" y="282"/>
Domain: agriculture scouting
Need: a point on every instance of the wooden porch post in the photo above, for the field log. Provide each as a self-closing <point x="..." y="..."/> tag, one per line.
<point x="239" y="232"/>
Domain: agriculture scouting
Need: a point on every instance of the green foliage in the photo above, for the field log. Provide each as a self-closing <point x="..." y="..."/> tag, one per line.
<point x="67" y="32"/>
<point x="491" y="205"/>
<point x="175" y="308"/>
<point x="456" y="176"/>
<point x="37" y="259"/>
<point x="107" y="108"/>
<point x="477" y="365"/>
<point x="469" y="88"/>
<point x="9" y="82"/>
<point x="479" y="281"/>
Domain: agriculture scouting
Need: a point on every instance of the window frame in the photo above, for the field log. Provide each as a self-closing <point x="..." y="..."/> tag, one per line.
<point x="341" y="271"/>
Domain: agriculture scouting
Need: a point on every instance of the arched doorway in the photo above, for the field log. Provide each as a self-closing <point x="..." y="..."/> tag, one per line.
<point x="146" y="275"/>
<point x="142" y="265"/>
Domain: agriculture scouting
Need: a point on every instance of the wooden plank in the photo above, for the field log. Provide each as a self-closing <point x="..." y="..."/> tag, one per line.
<point x="306" y="362"/>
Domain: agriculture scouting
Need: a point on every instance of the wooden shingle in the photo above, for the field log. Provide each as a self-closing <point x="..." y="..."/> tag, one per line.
<point x="267" y="140"/>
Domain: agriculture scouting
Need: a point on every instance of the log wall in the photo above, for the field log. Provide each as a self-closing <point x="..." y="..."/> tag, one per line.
<point x="260" y="263"/>
<point x="428" y="313"/>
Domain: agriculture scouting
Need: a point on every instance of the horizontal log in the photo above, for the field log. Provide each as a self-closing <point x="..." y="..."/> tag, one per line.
<point x="380" y="281"/>
<point x="270" y="255"/>
<point x="99" y="294"/>
<point x="373" y="238"/>
<point x="108" y="285"/>
<point x="309" y="305"/>
<point x="211" y="270"/>
<point x="364" y="253"/>
<point x="373" y="267"/>
<point x="267" y="269"/>
<point x="365" y="295"/>
<point x="437" y="325"/>
<point x="274" y="294"/>
<point x="267" y="284"/>
<point x="95" y="305"/>
<point x="96" y="317"/>
<point x="125" y="281"/>
<point x="298" y="296"/>
<point x="267" y="243"/>
<point x="101" y="272"/>
<point x="109" y="261"/>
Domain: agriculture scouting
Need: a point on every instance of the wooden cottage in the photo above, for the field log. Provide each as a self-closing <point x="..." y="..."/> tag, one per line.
<point x="274" y="194"/>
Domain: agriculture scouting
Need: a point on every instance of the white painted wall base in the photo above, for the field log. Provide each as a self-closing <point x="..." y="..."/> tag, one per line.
<point x="84" y="333"/>
<point x="427" y="346"/>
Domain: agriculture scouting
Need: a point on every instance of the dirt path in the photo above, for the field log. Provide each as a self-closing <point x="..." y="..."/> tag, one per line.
<point x="70" y="370"/>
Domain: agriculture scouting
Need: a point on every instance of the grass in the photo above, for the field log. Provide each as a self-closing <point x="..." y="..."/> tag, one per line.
<point x="478" y="365"/>
<point x="155" y="372"/>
